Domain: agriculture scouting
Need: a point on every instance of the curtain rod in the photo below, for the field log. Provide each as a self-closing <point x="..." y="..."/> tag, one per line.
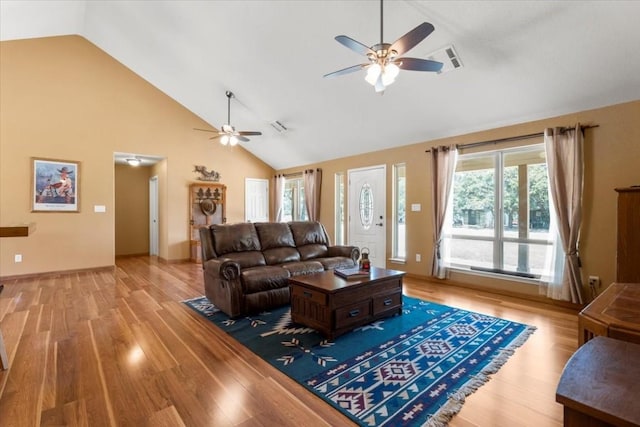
<point x="513" y="138"/>
<point x="287" y="175"/>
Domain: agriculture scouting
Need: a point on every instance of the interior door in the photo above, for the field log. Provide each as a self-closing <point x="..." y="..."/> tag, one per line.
<point x="153" y="216"/>
<point x="256" y="200"/>
<point x="367" y="208"/>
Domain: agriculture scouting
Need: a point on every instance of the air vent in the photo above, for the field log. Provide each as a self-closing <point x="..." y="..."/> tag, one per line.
<point x="448" y="56"/>
<point x="278" y="126"/>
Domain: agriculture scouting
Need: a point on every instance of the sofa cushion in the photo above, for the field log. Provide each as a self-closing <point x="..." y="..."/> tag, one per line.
<point x="303" y="267"/>
<point x="308" y="232"/>
<point x="259" y="279"/>
<point x="274" y="235"/>
<point x="247" y="259"/>
<point x="312" y="251"/>
<point x="331" y="263"/>
<point x="277" y="256"/>
<point x="239" y="237"/>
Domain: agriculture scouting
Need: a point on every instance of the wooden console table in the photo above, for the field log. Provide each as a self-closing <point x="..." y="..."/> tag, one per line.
<point x="600" y="384"/>
<point x="614" y="313"/>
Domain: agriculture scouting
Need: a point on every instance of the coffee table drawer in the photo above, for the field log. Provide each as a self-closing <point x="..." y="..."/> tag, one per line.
<point x="386" y="302"/>
<point x="309" y="295"/>
<point x="354" y="313"/>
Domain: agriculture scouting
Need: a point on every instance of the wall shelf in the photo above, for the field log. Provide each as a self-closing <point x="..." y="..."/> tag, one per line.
<point x="18" y="230"/>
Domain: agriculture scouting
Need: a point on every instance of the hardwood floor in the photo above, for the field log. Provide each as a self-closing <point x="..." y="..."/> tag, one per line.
<point x="120" y="349"/>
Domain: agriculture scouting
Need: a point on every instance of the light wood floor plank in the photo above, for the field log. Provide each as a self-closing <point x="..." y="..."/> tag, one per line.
<point x="118" y="348"/>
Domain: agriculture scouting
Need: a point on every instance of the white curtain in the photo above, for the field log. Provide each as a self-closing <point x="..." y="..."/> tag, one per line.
<point x="278" y="185"/>
<point x="443" y="166"/>
<point x="312" y="186"/>
<point x="564" y="150"/>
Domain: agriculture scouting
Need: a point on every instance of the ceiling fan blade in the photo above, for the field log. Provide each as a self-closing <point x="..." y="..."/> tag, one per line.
<point x="248" y="132"/>
<point x="215" y="137"/>
<point x="354" y="45"/>
<point x="346" y="70"/>
<point x="416" y="64"/>
<point x="206" y="130"/>
<point x="242" y="138"/>
<point x="412" y="38"/>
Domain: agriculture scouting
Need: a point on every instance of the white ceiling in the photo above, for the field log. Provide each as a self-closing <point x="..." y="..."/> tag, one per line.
<point x="523" y="60"/>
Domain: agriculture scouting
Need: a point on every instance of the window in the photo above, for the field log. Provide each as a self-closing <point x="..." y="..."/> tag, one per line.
<point x="340" y="209"/>
<point x="293" y="201"/>
<point x="399" y="250"/>
<point x="500" y="221"/>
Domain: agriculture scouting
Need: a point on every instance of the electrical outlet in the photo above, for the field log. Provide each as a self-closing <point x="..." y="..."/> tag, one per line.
<point x="594" y="281"/>
<point x="418" y="257"/>
<point x="17" y="258"/>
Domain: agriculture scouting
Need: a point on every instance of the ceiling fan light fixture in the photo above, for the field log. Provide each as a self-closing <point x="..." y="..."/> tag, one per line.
<point x="373" y="73"/>
<point x="224" y="139"/>
<point x="390" y="73"/>
<point x="233" y="140"/>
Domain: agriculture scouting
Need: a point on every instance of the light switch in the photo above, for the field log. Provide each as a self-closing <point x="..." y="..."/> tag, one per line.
<point x="99" y="208"/>
<point x="416" y="207"/>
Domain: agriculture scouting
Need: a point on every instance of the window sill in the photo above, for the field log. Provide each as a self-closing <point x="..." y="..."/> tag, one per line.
<point x="499" y="276"/>
<point x="397" y="261"/>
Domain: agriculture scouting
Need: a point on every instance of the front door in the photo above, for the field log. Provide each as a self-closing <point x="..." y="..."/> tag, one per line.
<point x="367" y="209"/>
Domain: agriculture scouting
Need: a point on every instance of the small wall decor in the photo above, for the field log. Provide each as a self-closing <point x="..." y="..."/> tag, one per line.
<point x="206" y="175"/>
<point x="208" y="200"/>
<point x="54" y="185"/>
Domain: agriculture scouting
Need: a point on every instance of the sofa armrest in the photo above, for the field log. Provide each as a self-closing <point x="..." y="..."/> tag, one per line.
<point x="222" y="285"/>
<point x="352" y="252"/>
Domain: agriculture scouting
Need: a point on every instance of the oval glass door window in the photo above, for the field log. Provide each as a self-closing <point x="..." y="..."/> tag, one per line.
<point x="366" y="206"/>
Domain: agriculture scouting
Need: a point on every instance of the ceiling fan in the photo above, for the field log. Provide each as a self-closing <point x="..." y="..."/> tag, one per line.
<point x="384" y="58"/>
<point x="228" y="134"/>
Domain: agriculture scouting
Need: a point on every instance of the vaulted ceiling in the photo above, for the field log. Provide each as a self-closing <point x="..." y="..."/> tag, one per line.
<point x="521" y="61"/>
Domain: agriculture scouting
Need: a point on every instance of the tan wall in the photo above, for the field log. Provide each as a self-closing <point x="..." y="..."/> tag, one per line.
<point x="612" y="159"/>
<point x="132" y="209"/>
<point x="63" y="98"/>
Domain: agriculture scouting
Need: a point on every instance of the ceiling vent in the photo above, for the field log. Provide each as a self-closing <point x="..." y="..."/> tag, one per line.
<point x="278" y="126"/>
<point x="448" y="56"/>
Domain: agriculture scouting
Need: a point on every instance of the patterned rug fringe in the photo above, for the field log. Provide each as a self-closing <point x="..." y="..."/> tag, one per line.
<point x="454" y="404"/>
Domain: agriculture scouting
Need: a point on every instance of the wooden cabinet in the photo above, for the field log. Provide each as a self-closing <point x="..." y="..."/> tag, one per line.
<point x="599" y="385"/>
<point x="628" y="251"/>
<point x="207" y="203"/>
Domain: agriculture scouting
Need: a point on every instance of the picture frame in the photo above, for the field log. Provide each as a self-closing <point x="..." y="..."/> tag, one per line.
<point x="55" y="185"/>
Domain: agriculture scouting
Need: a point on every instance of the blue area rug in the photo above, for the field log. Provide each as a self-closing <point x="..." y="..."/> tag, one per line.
<point x="407" y="370"/>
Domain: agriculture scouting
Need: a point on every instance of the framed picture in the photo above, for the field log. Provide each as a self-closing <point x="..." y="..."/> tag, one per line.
<point x="54" y="185"/>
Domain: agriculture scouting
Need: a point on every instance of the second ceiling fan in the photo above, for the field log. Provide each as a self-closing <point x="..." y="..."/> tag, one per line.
<point x="384" y="58"/>
<point x="228" y="134"/>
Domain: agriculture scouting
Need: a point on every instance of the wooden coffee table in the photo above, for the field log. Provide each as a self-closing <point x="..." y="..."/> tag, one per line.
<point x="333" y="305"/>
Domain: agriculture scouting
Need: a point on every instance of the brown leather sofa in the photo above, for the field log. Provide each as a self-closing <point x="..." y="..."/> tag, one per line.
<point x="247" y="265"/>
